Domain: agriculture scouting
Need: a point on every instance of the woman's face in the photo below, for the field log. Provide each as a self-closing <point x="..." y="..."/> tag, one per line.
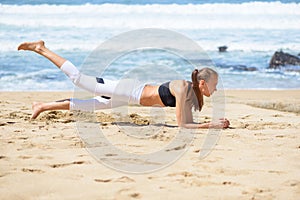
<point x="209" y="87"/>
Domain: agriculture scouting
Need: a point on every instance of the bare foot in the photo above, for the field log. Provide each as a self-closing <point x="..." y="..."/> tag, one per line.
<point x="37" y="108"/>
<point x="32" y="46"/>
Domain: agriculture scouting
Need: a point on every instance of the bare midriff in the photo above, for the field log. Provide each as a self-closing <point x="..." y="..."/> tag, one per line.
<point x="150" y="96"/>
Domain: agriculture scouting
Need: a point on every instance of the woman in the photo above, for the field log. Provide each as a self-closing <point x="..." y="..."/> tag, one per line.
<point x="183" y="95"/>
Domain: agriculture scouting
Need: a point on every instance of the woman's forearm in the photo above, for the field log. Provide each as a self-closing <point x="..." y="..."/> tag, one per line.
<point x="222" y="123"/>
<point x="196" y="125"/>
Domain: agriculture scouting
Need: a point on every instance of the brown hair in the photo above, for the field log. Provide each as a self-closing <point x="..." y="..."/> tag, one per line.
<point x="203" y="74"/>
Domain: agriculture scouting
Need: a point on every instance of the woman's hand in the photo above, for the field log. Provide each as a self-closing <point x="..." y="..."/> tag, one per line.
<point x="222" y="123"/>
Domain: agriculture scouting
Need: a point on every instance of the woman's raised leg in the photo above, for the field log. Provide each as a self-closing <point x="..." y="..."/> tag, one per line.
<point x="89" y="83"/>
<point x="40" y="48"/>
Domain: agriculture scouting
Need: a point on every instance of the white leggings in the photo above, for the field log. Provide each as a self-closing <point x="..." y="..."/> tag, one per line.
<point x="122" y="92"/>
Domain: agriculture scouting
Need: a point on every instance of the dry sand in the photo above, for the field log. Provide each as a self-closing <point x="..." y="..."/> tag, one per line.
<point x="257" y="158"/>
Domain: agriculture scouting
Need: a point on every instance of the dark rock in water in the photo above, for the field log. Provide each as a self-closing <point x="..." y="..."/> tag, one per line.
<point x="280" y="59"/>
<point x="243" y="68"/>
<point x="251" y="69"/>
<point x="222" y="48"/>
<point x="239" y="67"/>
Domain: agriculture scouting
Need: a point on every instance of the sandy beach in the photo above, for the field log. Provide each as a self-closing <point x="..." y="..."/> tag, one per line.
<point x="257" y="158"/>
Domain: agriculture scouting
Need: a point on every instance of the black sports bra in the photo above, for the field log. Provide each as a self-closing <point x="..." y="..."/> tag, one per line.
<point x="165" y="95"/>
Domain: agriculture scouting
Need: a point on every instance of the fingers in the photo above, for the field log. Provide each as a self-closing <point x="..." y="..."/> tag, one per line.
<point x="222" y="123"/>
<point x="225" y="122"/>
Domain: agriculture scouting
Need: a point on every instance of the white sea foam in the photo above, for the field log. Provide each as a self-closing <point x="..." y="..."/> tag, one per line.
<point x="274" y="15"/>
<point x="83" y="27"/>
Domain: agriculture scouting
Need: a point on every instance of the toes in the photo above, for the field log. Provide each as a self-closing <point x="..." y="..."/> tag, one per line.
<point x="20" y="46"/>
<point x="37" y="109"/>
<point x="33" y="46"/>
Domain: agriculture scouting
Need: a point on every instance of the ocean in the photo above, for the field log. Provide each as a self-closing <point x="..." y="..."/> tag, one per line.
<point x="252" y="31"/>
